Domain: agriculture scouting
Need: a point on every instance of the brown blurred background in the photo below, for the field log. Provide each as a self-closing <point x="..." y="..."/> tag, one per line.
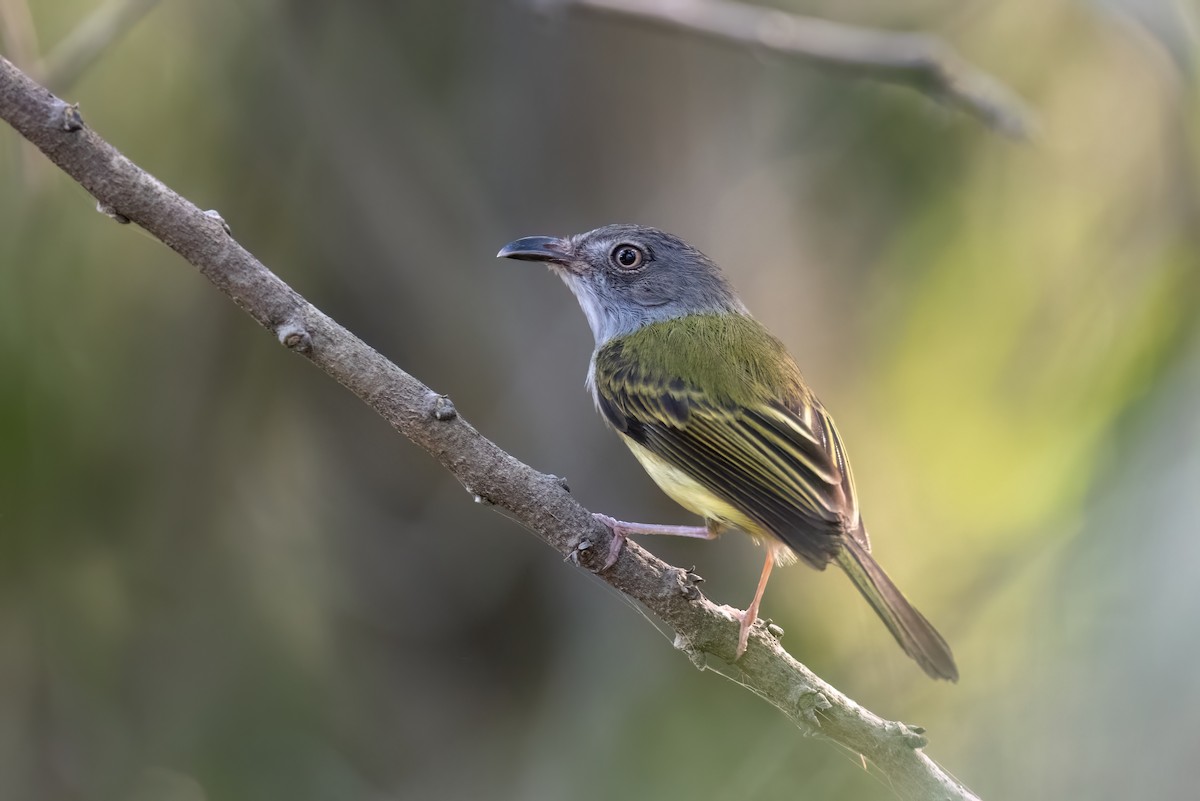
<point x="222" y="578"/>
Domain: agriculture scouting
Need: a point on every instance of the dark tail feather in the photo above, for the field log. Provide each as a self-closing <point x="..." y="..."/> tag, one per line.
<point x="916" y="635"/>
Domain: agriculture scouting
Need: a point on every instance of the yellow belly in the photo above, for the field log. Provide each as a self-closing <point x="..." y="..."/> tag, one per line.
<point x="693" y="496"/>
<point x="685" y="490"/>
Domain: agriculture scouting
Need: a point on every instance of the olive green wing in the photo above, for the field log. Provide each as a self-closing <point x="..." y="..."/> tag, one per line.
<point x="779" y="461"/>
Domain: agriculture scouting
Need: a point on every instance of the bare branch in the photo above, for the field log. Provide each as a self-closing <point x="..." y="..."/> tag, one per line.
<point x="540" y="502"/>
<point x="919" y="60"/>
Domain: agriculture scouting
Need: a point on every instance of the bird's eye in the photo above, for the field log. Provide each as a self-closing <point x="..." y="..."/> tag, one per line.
<point x="627" y="257"/>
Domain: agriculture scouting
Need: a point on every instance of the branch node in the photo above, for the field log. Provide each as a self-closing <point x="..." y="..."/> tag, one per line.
<point x="109" y="211"/>
<point x="912" y="736"/>
<point x="809" y="703"/>
<point x="294" y="336"/>
<point x="581" y="548"/>
<point x="688" y="581"/>
<point x="216" y="215"/>
<point x="696" y="656"/>
<point x="775" y="630"/>
<point x="69" y="118"/>
<point x="442" y="408"/>
<point x="675" y="582"/>
<point x="560" y="481"/>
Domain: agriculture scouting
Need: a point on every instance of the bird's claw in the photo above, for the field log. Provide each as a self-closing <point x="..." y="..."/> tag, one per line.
<point x="614" y="550"/>
<point x="747" y="622"/>
<point x="615" y="544"/>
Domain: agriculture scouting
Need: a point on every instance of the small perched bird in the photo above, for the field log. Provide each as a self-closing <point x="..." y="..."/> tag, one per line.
<point x="718" y="414"/>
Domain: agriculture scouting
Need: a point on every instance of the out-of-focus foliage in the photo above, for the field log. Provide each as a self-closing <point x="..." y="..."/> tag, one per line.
<point x="221" y="577"/>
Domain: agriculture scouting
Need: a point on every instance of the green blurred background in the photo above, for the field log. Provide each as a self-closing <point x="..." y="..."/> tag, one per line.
<point x="221" y="577"/>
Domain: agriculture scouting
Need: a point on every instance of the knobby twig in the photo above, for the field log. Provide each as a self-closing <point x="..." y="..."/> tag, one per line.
<point x="919" y="60"/>
<point x="540" y="502"/>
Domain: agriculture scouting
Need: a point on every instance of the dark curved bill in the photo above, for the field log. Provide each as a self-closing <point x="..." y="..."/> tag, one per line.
<point x="537" y="248"/>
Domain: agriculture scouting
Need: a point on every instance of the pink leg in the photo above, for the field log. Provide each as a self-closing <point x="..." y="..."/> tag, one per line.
<point x="619" y="528"/>
<point x="751" y="614"/>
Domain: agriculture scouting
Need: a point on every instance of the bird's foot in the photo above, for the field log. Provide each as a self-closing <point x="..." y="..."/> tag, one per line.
<point x="751" y="614"/>
<point x="617" y="542"/>
<point x="748" y="619"/>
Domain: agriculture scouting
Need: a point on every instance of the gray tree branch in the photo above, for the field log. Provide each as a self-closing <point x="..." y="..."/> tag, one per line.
<point x="919" y="60"/>
<point x="538" y="501"/>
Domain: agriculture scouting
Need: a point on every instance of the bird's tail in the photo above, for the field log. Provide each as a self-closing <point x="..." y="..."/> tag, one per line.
<point x="916" y="635"/>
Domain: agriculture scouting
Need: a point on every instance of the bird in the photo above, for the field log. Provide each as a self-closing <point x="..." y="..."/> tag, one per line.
<point x="715" y="409"/>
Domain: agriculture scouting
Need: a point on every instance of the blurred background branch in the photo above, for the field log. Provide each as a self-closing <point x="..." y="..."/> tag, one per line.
<point x="18" y="37"/>
<point x="17" y="32"/>
<point x="537" y="501"/>
<point x="919" y="60"/>
<point x="70" y="58"/>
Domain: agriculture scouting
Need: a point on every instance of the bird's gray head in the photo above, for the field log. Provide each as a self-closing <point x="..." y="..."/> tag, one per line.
<point x="628" y="276"/>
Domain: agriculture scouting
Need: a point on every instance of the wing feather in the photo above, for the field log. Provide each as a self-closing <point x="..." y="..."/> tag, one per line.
<point x="787" y="474"/>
